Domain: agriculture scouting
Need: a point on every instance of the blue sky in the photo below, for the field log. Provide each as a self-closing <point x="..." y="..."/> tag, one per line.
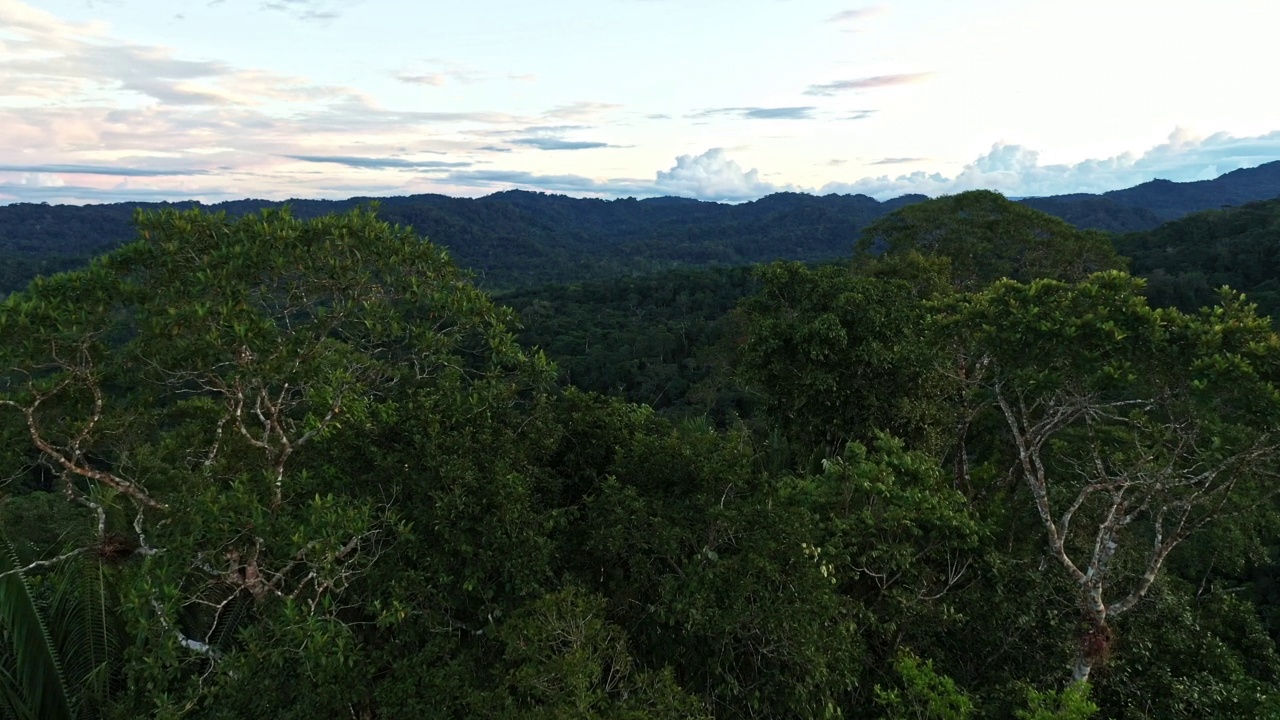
<point x="109" y="100"/>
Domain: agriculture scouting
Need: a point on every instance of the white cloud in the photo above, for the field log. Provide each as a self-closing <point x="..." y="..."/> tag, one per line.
<point x="40" y="179"/>
<point x="709" y="176"/>
<point x="581" y="110"/>
<point x="713" y="176"/>
<point x="305" y="9"/>
<point x="1016" y="171"/>
<point x="856" y="14"/>
<point x="1013" y="170"/>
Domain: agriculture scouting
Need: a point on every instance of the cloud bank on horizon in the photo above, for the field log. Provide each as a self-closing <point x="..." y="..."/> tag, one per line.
<point x="1016" y="171"/>
<point x="1013" y="170"/>
<point x="126" y="101"/>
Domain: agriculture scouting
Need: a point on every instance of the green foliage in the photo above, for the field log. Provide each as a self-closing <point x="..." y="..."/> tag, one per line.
<point x="838" y="357"/>
<point x="565" y="660"/>
<point x="649" y="340"/>
<point x="1071" y="703"/>
<point x="220" y="388"/>
<point x="59" y="640"/>
<point x="31" y="675"/>
<point x="1186" y="261"/>
<point x="1192" y="652"/>
<point x="326" y="480"/>
<point x="987" y="237"/>
<point x="1131" y="428"/>
<point x="890" y="531"/>
<point x="710" y="575"/>
<point x="924" y="694"/>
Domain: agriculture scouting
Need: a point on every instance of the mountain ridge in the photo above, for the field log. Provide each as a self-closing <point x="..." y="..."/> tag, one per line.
<point x="518" y="238"/>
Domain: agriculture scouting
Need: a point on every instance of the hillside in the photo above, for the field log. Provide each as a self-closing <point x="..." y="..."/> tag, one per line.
<point x="508" y="239"/>
<point x="1187" y="260"/>
<point x="1145" y="206"/>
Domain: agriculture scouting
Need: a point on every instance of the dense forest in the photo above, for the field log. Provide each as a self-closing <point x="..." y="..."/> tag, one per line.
<point x="290" y="464"/>
<point x="520" y="239"/>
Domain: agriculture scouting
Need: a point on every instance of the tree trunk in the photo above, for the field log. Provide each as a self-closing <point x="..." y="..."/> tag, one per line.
<point x="1080" y="672"/>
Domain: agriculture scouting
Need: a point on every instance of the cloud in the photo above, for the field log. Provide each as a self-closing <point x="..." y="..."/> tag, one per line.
<point x="866" y="83"/>
<point x="75" y="64"/>
<point x="432" y="79"/>
<point x="303" y="9"/>
<point x="545" y="137"/>
<point x="761" y="113"/>
<point x="523" y="179"/>
<point x="540" y="130"/>
<point x="30" y="191"/>
<point x="897" y="160"/>
<point x="859" y="115"/>
<point x="582" y="110"/>
<point x="549" y="143"/>
<point x="36" y="192"/>
<point x="437" y="73"/>
<point x="1016" y="170"/>
<point x="379" y="163"/>
<point x="709" y="176"/>
<point x="100" y="170"/>
<point x="713" y="176"/>
<point x="856" y="14"/>
<point x="38" y="179"/>
<point x="1011" y="169"/>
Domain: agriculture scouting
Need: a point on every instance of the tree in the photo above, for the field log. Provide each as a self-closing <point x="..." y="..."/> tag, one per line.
<point x="839" y="357"/>
<point x="1131" y="428"/>
<point x="210" y="392"/>
<point x="987" y="237"/>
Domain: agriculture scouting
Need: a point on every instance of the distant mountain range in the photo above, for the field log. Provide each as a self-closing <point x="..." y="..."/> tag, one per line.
<point x="518" y="238"/>
<point x="1145" y="206"/>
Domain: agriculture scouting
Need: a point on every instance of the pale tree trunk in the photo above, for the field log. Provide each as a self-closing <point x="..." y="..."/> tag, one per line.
<point x="1174" y="495"/>
<point x="1080" y="671"/>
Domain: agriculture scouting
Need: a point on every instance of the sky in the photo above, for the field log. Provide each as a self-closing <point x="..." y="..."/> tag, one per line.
<point x="726" y="100"/>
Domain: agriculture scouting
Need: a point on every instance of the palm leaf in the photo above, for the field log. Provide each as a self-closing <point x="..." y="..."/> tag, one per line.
<point x="37" y="687"/>
<point x="13" y="706"/>
<point x="85" y="633"/>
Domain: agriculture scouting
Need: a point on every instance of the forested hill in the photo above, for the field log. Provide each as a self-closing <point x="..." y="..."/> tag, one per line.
<point x="508" y="239"/>
<point x="1186" y="261"/>
<point x="1145" y="206"/>
<point x="519" y="239"/>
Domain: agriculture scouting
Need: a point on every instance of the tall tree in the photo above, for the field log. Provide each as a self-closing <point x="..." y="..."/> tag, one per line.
<point x="987" y="237"/>
<point x="191" y="388"/>
<point x="1131" y="428"/>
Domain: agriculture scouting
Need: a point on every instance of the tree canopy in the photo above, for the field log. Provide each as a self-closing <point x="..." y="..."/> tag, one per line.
<point x="272" y="466"/>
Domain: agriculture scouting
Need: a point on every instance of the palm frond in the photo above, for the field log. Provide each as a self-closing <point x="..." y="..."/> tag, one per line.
<point x="85" y="632"/>
<point x="13" y="705"/>
<point x="38" y="680"/>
